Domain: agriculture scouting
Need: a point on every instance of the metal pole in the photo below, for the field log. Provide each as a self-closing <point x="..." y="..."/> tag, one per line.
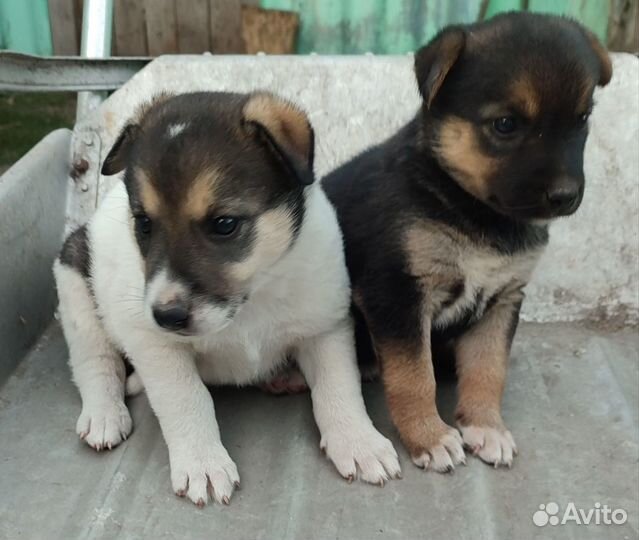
<point x="97" y="24"/>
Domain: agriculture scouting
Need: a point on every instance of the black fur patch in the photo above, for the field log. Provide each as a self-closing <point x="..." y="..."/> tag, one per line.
<point x="455" y="292"/>
<point x="76" y="252"/>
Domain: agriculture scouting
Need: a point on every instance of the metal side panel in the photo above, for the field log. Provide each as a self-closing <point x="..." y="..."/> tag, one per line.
<point x="571" y="402"/>
<point x="26" y="73"/>
<point x="32" y="218"/>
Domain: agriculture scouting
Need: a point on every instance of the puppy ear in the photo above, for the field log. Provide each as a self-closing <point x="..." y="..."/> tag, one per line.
<point x="285" y="130"/>
<point x="434" y="61"/>
<point x="605" y="65"/>
<point x="119" y="153"/>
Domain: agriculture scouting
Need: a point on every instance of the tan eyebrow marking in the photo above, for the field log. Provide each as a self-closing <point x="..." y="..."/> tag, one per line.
<point x="200" y="196"/>
<point x="525" y="96"/>
<point x="148" y="195"/>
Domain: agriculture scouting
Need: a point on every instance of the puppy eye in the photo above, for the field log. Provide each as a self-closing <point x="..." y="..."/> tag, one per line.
<point x="143" y="224"/>
<point x="222" y="225"/>
<point x="505" y="125"/>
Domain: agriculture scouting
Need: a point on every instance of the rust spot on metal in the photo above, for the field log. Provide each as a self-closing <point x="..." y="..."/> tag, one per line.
<point x="80" y="166"/>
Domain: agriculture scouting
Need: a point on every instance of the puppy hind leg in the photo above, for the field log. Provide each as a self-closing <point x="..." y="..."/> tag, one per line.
<point x="97" y="367"/>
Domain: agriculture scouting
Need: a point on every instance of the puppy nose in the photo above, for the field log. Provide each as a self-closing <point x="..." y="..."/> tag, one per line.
<point x="172" y="316"/>
<point x="562" y="196"/>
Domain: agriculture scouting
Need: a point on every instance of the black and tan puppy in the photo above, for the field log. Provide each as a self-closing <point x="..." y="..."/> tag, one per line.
<point x="444" y="222"/>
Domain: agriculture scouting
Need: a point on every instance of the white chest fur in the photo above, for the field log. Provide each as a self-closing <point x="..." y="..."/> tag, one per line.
<point x="302" y="295"/>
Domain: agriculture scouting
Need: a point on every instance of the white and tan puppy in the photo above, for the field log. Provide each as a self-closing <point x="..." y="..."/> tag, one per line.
<point x="213" y="261"/>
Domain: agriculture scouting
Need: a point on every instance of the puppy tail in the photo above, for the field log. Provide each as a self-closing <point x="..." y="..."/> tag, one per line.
<point x="133" y="384"/>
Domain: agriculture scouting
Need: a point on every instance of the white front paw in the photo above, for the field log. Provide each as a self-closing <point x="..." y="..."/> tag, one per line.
<point x="198" y="470"/>
<point x="104" y="425"/>
<point x="361" y="449"/>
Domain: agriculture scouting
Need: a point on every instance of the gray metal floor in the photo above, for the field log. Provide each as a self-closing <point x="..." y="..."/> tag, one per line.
<point x="572" y="402"/>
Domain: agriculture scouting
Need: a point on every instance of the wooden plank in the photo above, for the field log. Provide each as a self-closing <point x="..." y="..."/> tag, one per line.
<point x="63" y="27"/>
<point x="226" y="27"/>
<point x="161" y="27"/>
<point x="129" y="28"/>
<point x="192" y="26"/>
<point x="623" y="26"/>
<point x="269" y="30"/>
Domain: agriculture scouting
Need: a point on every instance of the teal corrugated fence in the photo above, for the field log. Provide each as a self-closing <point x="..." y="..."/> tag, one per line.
<point x="334" y="26"/>
<point x="400" y="26"/>
<point x="24" y="26"/>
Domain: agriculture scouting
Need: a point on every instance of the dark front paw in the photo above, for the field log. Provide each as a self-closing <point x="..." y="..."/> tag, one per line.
<point x="436" y="446"/>
<point x="493" y="445"/>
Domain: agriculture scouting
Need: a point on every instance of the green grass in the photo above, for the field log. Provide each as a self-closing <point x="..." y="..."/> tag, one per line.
<point x="27" y="117"/>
